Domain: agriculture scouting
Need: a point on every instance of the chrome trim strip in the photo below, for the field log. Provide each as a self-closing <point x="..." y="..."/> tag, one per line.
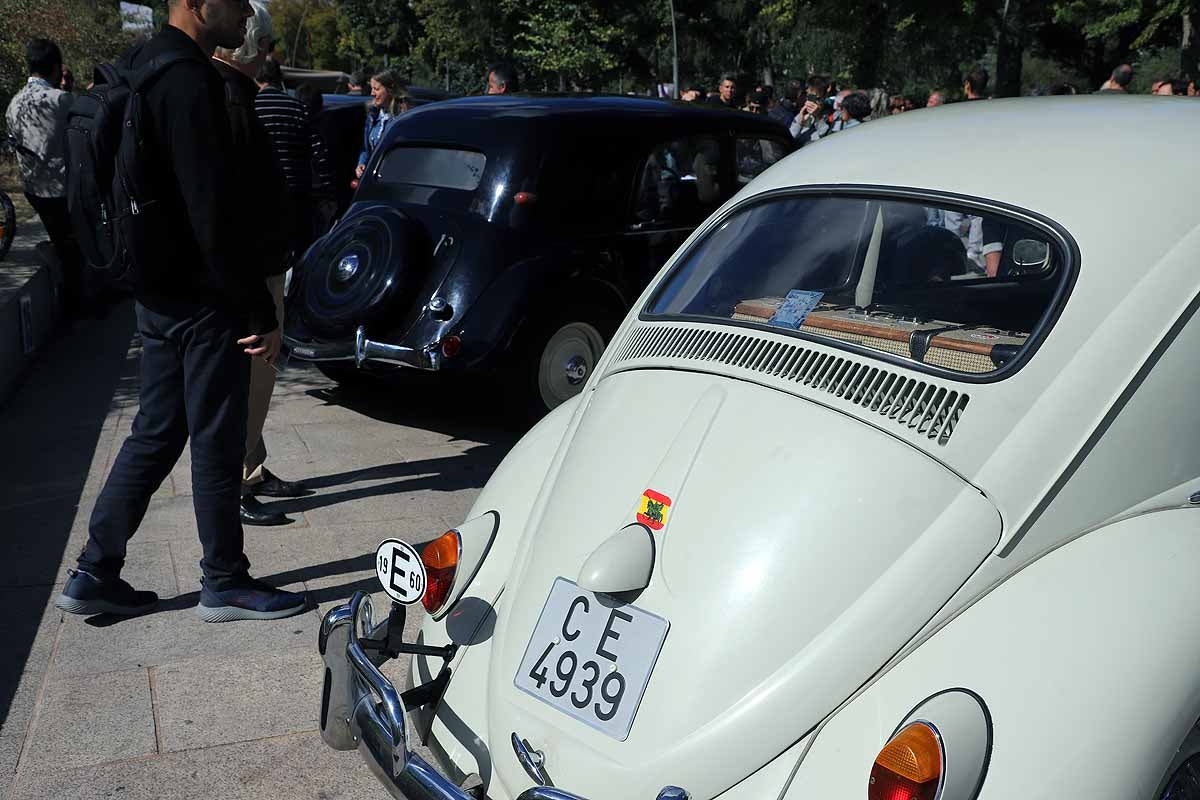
<point x="364" y="349"/>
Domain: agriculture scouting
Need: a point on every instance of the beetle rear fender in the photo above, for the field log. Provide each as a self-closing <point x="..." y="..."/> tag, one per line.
<point x="510" y="492"/>
<point x="1084" y="659"/>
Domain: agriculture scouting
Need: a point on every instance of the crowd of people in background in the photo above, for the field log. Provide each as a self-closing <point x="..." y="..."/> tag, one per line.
<point x="820" y="106"/>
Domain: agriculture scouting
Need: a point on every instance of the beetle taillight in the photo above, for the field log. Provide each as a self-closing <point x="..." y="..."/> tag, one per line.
<point x="441" y="563"/>
<point x="909" y="767"/>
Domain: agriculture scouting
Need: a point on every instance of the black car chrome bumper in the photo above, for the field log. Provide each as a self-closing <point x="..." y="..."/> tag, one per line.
<point x="362" y="349"/>
<point x="361" y="709"/>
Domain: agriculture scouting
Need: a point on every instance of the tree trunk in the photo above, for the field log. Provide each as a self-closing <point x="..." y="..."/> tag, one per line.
<point x="1010" y="50"/>
<point x="1189" y="47"/>
<point x="1099" y="69"/>
<point x="562" y="82"/>
<point x="869" y="57"/>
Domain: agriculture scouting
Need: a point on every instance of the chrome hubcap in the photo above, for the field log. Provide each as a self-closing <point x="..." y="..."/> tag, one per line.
<point x="568" y="358"/>
<point x="346" y="268"/>
<point x="577" y="370"/>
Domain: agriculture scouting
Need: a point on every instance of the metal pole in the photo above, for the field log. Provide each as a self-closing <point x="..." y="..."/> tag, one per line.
<point x="674" y="53"/>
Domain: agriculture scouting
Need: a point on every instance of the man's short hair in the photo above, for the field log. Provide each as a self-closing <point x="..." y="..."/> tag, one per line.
<point x="728" y="76"/>
<point x="794" y="89"/>
<point x="42" y="56"/>
<point x="1122" y="75"/>
<point x="270" y="73"/>
<point x="817" y="84"/>
<point x="857" y="105"/>
<point x="258" y="27"/>
<point x="977" y="80"/>
<point x="506" y="74"/>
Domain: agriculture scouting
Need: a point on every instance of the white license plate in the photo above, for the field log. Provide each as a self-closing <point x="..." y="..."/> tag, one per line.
<point x="591" y="656"/>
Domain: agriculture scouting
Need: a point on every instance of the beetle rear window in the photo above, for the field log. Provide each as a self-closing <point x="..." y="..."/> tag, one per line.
<point x="953" y="288"/>
<point x="439" y="167"/>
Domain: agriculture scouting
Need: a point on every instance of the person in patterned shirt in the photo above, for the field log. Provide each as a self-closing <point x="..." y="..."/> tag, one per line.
<point x="37" y="121"/>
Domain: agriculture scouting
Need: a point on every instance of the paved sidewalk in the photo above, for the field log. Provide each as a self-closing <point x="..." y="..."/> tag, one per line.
<point x="166" y="706"/>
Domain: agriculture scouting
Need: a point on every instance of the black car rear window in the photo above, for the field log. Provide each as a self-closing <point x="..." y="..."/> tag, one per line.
<point x="439" y="167"/>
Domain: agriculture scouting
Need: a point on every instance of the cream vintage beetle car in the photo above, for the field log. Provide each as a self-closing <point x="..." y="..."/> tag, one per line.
<point x="888" y="488"/>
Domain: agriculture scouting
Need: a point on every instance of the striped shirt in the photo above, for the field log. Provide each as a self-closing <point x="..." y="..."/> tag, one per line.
<point x="288" y="128"/>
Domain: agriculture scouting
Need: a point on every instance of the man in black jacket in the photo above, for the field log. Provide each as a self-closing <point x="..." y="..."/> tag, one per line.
<point x="202" y="308"/>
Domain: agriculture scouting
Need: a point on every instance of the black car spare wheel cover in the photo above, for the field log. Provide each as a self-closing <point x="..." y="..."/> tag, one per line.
<point x="363" y="269"/>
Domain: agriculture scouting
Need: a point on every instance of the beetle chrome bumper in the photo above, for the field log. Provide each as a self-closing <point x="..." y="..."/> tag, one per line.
<point x="361" y="710"/>
<point x="364" y="349"/>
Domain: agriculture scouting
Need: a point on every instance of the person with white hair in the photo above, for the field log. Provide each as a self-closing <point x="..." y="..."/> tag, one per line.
<point x="262" y="178"/>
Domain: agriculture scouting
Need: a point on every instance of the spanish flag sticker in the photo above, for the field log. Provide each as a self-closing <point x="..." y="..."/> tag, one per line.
<point x="654" y="509"/>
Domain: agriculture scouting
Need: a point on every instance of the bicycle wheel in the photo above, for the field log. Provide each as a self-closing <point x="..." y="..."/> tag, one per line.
<point x="8" y="224"/>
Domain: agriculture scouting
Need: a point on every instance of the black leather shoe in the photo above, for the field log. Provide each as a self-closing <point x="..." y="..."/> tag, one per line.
<point x="272" y="486"/>
<point x="255" y="513"/>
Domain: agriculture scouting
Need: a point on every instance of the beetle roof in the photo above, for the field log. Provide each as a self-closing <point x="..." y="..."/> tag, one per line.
<point x="1105" y="162"/>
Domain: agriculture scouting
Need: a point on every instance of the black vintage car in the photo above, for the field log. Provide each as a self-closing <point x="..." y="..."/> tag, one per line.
<point x="513" y="233"/>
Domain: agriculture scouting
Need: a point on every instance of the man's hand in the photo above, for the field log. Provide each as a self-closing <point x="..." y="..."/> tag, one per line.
<point x="359" y="170"/>
<point x="265" y="346"/>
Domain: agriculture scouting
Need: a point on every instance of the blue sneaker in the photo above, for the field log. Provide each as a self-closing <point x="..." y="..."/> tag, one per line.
<point x="87" y="594"/>
<point x="248" y="598"/>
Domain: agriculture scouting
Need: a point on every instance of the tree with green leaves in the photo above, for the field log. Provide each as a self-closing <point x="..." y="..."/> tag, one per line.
<point x="561" y="40"/>
<point x="1118" y="28"/>
<point x="377" y="32"/>
<point x="88" y="32"/>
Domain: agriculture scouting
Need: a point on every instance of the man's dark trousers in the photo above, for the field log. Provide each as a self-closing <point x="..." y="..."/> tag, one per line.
<point x="194" y="382"/>
<point x="57" y="221"/>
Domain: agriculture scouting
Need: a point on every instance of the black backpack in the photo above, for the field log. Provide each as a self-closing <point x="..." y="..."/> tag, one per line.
<point x="109" y="186"/>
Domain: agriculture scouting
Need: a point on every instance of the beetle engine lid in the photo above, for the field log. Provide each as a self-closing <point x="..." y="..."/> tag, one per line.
<point x="798" y="550"/>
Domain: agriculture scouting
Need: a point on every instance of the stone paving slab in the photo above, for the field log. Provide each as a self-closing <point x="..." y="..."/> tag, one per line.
<point x="28" y="618"/>
<point x="10" y="752"/>
<point x="172" y="634"/>
<point x="298" y="766"/>
<point x="91" y="719"/>
<point x="203" y="702"/>
<point x="286" y="554"/>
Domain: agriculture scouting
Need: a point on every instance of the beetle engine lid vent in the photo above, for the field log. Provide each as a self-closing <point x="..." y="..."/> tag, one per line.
<point x="920" y="405"/>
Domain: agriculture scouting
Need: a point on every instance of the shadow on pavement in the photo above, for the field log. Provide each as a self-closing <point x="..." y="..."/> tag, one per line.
<point x="463" y="407"/>
<point x="468" y="470"/>
<point x="52" y="428"/>
<point x="329" y="569"/>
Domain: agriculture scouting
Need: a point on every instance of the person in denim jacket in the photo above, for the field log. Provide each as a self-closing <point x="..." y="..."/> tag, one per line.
<point x="388" y="100"/>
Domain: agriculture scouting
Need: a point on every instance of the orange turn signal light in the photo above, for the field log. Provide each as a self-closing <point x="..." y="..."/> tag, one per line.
<point x="441" y="562"/>
<point x="909" y="767"/>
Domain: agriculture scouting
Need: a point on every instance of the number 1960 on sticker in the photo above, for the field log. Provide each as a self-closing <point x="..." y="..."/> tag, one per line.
<point x="400" y="571"/>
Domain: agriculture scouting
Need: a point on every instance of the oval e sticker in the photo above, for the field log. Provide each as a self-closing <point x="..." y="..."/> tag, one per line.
<point x="400" y="571"/>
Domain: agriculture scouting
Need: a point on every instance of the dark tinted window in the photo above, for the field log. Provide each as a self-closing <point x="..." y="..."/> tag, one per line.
<point x="439" y="167"/>
<point x="679" y="182"/>
<point x="755" y="155"/>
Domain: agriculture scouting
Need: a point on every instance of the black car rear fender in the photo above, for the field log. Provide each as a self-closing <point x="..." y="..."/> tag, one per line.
<point x="537" y="286"/>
